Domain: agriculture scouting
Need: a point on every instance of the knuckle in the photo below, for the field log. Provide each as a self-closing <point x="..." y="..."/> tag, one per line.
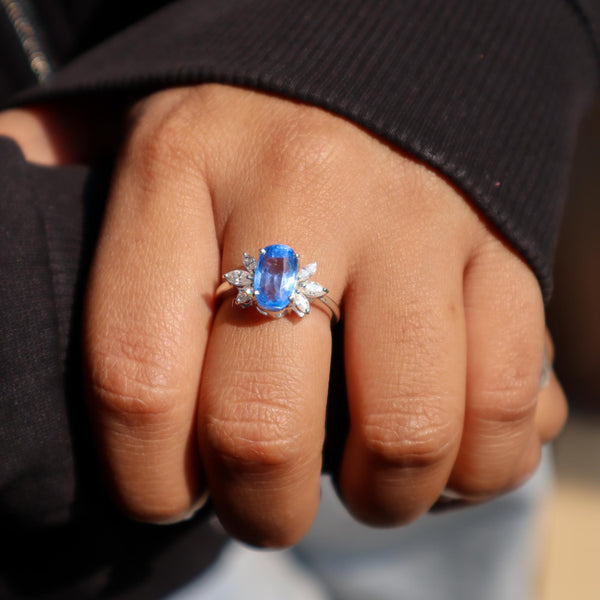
<point x="301" y="150"/>
<point x="510" y="396"/>
<point x="161" y="140"/>
<point x="257" y="425"/>
<point x="131" y="377"/>
<point x="162" y="143"/>
<point x="260" y="439"/>
<point x="418" y="434"/>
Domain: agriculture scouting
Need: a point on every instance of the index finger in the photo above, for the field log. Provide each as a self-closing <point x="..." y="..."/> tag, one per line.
<point x="147" y="316"/>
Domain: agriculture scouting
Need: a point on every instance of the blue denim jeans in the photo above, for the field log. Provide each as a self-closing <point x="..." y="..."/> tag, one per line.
<point x="486" y="552"/>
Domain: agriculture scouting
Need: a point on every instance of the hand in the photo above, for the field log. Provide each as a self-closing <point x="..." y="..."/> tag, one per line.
<point x="444" y="323"/>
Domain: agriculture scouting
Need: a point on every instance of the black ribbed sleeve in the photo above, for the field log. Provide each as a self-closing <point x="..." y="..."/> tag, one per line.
<point x="489" y="93"/>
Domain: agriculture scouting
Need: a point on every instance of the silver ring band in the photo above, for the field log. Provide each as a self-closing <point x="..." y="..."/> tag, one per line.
<point x="546" y="373"/>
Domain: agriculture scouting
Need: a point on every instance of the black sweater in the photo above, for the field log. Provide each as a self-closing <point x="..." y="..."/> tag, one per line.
<point x="488" y="92"/>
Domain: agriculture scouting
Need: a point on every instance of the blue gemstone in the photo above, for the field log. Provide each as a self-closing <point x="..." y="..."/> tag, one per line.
<point x="275" y="277"/>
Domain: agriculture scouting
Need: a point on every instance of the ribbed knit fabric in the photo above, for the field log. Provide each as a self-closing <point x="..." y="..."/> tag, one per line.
<point x="589" y="12"/>
<point x="489" y="93"/>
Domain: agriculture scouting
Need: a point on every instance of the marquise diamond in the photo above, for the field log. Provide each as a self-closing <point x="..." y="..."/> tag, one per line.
<point x="245" y="295"/>
<point x="307" y="271"/>
<point x="301" y="304"/>
<point x="312" y="289"/>
<point x="238" y="277"/>
<point x="249" y="262"/>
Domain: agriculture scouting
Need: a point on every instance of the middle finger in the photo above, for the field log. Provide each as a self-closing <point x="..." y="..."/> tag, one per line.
<point x="405" y="364"/>
<point x="262" y="402"/>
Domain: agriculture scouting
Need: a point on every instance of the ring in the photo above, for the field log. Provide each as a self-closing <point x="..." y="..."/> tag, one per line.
<point x="276" y="285"/>
<point x="546" y="373"/>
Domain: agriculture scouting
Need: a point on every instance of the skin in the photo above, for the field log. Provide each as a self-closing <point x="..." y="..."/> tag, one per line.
<point x="444" y="322"/>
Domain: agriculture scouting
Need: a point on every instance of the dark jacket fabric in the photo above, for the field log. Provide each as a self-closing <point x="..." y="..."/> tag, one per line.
<point x="489" y="93"/>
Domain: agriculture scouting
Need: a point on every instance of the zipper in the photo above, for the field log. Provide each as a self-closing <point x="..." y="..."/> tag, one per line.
<point x="23" y="19"/>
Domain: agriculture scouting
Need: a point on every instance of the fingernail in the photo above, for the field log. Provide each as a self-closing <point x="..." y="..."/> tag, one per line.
<point x="186" y="515"/>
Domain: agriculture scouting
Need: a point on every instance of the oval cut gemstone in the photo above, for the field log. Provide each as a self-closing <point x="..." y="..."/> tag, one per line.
<point x="275" y="277"/>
